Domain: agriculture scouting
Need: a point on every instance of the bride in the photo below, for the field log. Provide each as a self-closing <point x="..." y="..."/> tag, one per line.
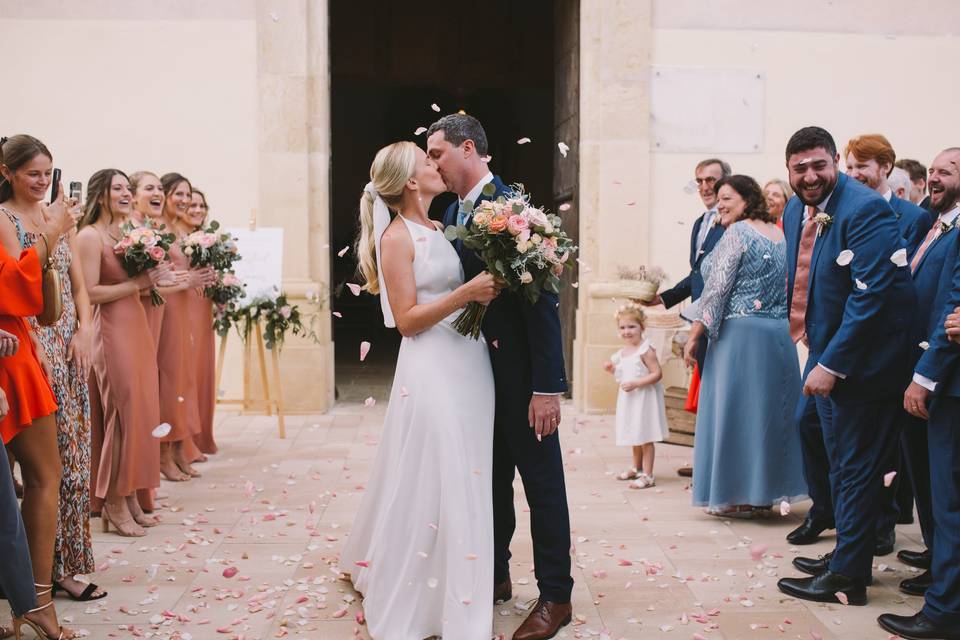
<point x="421" y="547"/>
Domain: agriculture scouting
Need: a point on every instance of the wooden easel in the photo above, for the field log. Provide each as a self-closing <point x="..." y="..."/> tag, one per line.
<point x="269" y="403"/>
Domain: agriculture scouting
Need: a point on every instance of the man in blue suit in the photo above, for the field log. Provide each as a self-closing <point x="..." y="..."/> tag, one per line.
<point x="526" y="352"/>
<point x="938" y="371"/>
<point x="851" y="300"/>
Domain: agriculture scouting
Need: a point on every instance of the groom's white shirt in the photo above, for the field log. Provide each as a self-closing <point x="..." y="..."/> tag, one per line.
<point x="474" y="193"/>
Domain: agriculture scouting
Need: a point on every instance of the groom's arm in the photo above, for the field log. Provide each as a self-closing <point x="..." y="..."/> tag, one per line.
<point x="546" y="344"/>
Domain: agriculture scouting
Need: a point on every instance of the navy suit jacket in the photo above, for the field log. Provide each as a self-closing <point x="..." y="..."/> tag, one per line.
<point x="692" y="286"/>
<point x="939" y="362"/>
<point x="859" y="332"/>
<point x="914" y="222"/>
<point x="528" y="356"/>
<point x="932" y="281"/>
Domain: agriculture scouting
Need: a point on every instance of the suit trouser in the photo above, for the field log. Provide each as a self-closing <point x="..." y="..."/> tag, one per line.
<point x="858" y="439"/>
<point x="916" y="462"/>
<point x="942" y="603"/>
<point x="515" y="448"/>
<point x="16" y="572"/>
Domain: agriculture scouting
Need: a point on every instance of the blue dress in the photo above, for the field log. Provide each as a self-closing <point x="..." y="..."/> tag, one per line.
<point x="747" y="447"/>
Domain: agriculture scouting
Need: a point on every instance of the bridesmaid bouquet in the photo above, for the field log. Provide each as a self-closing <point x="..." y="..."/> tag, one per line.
<point x="210" y="248"/>
<point x="143" y="246"/>
<point x="518" y="243"/>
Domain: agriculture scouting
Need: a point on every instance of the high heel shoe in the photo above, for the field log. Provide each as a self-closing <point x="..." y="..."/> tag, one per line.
<point x="18" y="623"/>
<point x="138" y="515"/>
<point x="127" y="527"/>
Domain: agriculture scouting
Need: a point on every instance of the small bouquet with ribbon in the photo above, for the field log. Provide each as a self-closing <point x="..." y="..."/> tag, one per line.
<point x="519" y="243"/>
<point x="143" y="246"/>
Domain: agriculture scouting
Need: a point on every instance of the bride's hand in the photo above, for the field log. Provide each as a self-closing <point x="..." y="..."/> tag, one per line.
<point x="483" y="288"/>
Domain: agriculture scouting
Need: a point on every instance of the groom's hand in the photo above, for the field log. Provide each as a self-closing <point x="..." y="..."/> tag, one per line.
<point x="544" y="414"/>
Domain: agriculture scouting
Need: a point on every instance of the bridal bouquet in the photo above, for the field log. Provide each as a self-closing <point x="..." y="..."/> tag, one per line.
<point x="519" y="243"/>
<point x="143" y="246"/>
<point x="210" y="248"/>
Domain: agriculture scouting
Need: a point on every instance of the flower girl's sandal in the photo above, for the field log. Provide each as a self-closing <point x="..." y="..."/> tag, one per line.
<point x="629" y="474"/>
<point x="643" y="481"/>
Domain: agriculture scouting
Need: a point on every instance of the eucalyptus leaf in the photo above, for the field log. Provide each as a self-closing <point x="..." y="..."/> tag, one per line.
<point x="450" y="233"/>
<point x="489" y="189"/>
<point x="467" y="206"/>
<point x="517" y="208"/>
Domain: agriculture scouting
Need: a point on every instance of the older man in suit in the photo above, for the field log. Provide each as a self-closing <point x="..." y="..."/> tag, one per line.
<point x="851" y="300"/>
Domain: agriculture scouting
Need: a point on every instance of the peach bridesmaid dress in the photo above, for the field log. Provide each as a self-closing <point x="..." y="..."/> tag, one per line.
<point x="204" y="352"/>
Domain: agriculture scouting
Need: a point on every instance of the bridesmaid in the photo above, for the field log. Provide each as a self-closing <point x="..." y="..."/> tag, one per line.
<point x="29" y="429"/>
<point x="66" y="345"/>
<point x="178" y="401"/>
<point x="125" y="370"/>
<point x="204" y="340"/>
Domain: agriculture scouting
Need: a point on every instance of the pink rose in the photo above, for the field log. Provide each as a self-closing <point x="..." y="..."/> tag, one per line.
<point x="516" y="224"/>
<point x="157" y="253"/>
<point x="230" y="280"/>
<point x="285" y="311"/>
<point x="126" y="243"/>
<point x="526" y="277"/>
<point x="536" y="217"/>
<point x="208" y="240"/>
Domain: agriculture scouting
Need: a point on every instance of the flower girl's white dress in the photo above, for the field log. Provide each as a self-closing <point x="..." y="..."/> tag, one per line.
<point x="421" y="547"/>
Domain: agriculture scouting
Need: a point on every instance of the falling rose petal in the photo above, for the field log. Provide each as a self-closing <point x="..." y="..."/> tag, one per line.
<point x="363" y="563"/>
<point x="403" y="392"/>
<point x="564" y="149"/>
<point x="815" y="636"/>
<point x="495" y="343"/>
<point x="419" y="131"/>
<point x="161" y="430"/>
<point x="565" y="206"/>
<point x="343" y="251"/>
<point x="364" y="350"/>
<point x="466" y="601"/>
<point x="842" y="597"/>
<point x="435" y="107"/>
<point x="784" y="508"/>
<point x="229" y="572"/>
<point x="888" y="479"/>
<point x="924" y="345"/>
<point x="354" y="288"/>
<point x="844" y="257"/>
<point x="899" y="257"/>
<point x="432" y="583"/>
<point x="757" y="551"/>
<point x="471" y="556"/>
<point x="337" y="314"/>
<point x="861" y="285"/>
<point x="757" y="305"/>
<point x="369" y="402"/>
<point x="523" y="141"/>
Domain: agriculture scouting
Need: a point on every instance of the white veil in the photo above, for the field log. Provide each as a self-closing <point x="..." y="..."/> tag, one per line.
<point x="381" y="219"/>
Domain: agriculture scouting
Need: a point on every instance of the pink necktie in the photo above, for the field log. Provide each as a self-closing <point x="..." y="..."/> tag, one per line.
<point x="932" y="235"/>
<point x="801" y="280"/>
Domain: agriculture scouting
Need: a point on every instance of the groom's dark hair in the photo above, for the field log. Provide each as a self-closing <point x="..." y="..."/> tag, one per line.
<point x="458" y="128"/>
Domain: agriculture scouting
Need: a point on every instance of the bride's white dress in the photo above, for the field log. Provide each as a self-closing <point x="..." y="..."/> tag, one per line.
<point x="421" y="547"/>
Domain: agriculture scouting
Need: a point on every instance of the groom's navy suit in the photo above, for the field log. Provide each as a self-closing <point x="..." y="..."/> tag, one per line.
<point x="857" y="324"/>
<point x="526" y="352"/>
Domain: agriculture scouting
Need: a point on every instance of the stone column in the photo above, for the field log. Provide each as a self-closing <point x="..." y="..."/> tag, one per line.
<point x="615" y="42"/>
<point x="294" y="143"/>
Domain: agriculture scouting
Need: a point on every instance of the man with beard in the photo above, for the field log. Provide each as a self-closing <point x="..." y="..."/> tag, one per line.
<point x="851" y="300"/>
<point x="936" y="373"/>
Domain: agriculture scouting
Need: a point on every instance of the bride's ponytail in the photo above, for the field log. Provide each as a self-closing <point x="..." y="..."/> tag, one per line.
<point x="392" y="167"/>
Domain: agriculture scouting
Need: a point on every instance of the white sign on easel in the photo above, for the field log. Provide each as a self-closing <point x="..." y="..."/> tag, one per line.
<point x="261" y="263"/>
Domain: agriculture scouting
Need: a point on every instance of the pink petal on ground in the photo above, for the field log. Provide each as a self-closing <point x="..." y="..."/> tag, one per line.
<point x="369" y="402"/>
<point x="360" y="619"/>
<point x="339" y="613"/>
<point x="354" y="288"/>
<point x="625" y="563"/>
<point x="784" y="508"/>
<point x="229" y="572"/>
<point x="362" y="563"/>
<point x="757" y="551"/>
<point x="364" y="350"/>
<point x="842" y="597"/>
<point x="888" y="478"/>
<point x="343" y="251"/>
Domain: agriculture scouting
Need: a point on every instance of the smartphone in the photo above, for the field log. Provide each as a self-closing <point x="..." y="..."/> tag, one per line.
<point x="76" y="188"/>
<point x="55" y="187"/>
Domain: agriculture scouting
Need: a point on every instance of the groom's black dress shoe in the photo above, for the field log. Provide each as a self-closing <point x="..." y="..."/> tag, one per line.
<point x="825" y="587"/>
<point x="502" y="592"/>
<point x="918" y="559"/>
<point x="916" y="627"/>
<point x="917" y="585"/>
<point x="817" y="566"/>
<point x="885" y="543"/>
<point x="809" y="531"/>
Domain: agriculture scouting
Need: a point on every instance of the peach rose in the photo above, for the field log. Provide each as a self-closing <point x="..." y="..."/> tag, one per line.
<point x="526" y="277"/>
<point x="557" y="269"/>
<point x="517" y="224"/>
<point x="482" y="219"/>
<point x="498" y="223"/>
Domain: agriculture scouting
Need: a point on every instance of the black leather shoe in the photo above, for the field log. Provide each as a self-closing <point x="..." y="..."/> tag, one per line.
<point x="917" y="585"/>
<point x="916" y="627"/>
<point x="917" y="559"/>
<point x="502" y="592"/>
<point x="885" y="542"/>
<point x="825" y="587"/>
<point x="808" y="531"/>
<point x="817" y="566"/>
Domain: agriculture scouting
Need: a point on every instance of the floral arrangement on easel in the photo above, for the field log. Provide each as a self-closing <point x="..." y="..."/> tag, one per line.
<point x="276" y="313"/>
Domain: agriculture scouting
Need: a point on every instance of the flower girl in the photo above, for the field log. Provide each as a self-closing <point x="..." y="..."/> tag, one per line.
<point x="641" y="416"/>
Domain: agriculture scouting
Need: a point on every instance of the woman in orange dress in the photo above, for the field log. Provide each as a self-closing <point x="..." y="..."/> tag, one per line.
<point x="123" y="362"/>
<point x="204" y="340"/>
<point x="29" y="429"/>
<point x="178" y="400"/>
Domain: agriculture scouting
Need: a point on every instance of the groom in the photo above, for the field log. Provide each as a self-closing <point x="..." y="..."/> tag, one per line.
<point x="527" y="357"/>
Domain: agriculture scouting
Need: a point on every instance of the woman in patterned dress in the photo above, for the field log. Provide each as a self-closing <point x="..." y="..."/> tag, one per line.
<point x="67" y="347"/>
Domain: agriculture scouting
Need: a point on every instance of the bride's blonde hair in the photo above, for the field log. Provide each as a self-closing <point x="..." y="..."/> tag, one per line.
<point x="392" y="167"/>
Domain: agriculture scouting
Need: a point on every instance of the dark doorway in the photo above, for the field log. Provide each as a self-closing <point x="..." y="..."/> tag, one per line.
<point x="496" y="60"/>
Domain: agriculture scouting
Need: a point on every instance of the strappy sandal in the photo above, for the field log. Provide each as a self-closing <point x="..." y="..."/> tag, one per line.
<point x="628" y="474"/>
<point x="643" y="481"/>
<point x="62" y="634"/>
<point x="5" y="633"/>
<point x="86" y="596"/>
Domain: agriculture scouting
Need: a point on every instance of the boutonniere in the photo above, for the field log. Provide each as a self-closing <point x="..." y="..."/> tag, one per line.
<point x="946" y="226"/>
<point x="823" y="221"/>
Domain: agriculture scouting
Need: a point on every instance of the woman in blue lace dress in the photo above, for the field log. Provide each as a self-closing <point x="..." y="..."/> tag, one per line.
<point x="747" y="449"/>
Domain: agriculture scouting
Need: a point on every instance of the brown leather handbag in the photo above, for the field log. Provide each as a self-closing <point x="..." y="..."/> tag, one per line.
<point x="52" y="292"/>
